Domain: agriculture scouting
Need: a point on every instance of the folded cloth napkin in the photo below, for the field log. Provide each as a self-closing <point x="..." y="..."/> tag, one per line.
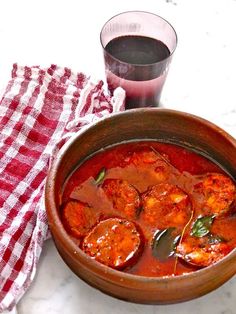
<point x="39" y="110"/>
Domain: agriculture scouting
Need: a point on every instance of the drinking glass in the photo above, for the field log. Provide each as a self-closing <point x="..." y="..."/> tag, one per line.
<point x="138" y="48"/>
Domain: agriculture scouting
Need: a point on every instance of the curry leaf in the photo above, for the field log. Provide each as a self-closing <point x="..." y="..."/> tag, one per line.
<point x="164" y="243"/>
<point x="101" y="175"/>
<point x="201" y="226"/>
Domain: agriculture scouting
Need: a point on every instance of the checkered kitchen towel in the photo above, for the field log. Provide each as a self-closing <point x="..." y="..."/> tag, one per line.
<point x="39" y="109"/>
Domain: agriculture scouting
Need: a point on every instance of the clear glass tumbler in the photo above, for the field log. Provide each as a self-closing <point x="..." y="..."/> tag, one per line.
<point x="138" y="47"/>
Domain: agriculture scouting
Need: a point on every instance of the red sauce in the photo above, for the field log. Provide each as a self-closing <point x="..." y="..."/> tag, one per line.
<point x="158" y="188"/>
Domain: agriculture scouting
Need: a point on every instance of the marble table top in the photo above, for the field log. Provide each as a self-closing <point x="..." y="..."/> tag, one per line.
<point x="201" y="81"/>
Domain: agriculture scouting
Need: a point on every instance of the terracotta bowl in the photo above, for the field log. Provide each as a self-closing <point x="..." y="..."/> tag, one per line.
<point x="153" y="123"/>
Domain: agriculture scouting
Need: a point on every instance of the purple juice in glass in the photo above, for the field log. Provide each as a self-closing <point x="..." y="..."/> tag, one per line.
<point x="138" y="48"/>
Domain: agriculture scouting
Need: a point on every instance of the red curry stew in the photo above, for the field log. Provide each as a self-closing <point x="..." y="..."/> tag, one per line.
<point x="151" y="209"/>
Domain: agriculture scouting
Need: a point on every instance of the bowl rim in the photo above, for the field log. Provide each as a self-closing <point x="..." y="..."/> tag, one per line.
<point x="100" y="269"/>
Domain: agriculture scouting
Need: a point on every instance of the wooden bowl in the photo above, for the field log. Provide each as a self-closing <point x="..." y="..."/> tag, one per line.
<point x="150" y="123"/>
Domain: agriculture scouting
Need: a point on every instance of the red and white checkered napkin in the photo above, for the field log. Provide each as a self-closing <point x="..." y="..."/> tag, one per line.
<point x="39" y="109"/>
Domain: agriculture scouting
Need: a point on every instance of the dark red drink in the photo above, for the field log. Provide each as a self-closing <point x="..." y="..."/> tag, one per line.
<point x="139" y="64"/>
<point x="138" y="47"/>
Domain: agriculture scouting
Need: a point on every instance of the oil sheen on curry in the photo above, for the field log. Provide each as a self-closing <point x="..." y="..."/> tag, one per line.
<point x="151" y="209"/>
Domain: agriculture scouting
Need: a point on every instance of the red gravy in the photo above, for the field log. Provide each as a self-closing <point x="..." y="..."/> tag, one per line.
<point x="180" y="188"/>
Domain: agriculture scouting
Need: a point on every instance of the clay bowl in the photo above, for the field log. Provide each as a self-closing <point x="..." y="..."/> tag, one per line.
<point x="152" y="123"/>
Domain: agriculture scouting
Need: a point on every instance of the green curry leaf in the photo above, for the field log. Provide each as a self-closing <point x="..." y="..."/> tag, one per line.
<point x="164" y="243"/>
<point x="100" y="176"/>
<point x="201" y="226"/>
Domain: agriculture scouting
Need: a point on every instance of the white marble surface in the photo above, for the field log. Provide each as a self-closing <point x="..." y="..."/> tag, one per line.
<point x="201" y="81"/>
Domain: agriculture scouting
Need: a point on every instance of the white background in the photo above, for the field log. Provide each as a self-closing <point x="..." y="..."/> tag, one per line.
<point x="201" y="81"/>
